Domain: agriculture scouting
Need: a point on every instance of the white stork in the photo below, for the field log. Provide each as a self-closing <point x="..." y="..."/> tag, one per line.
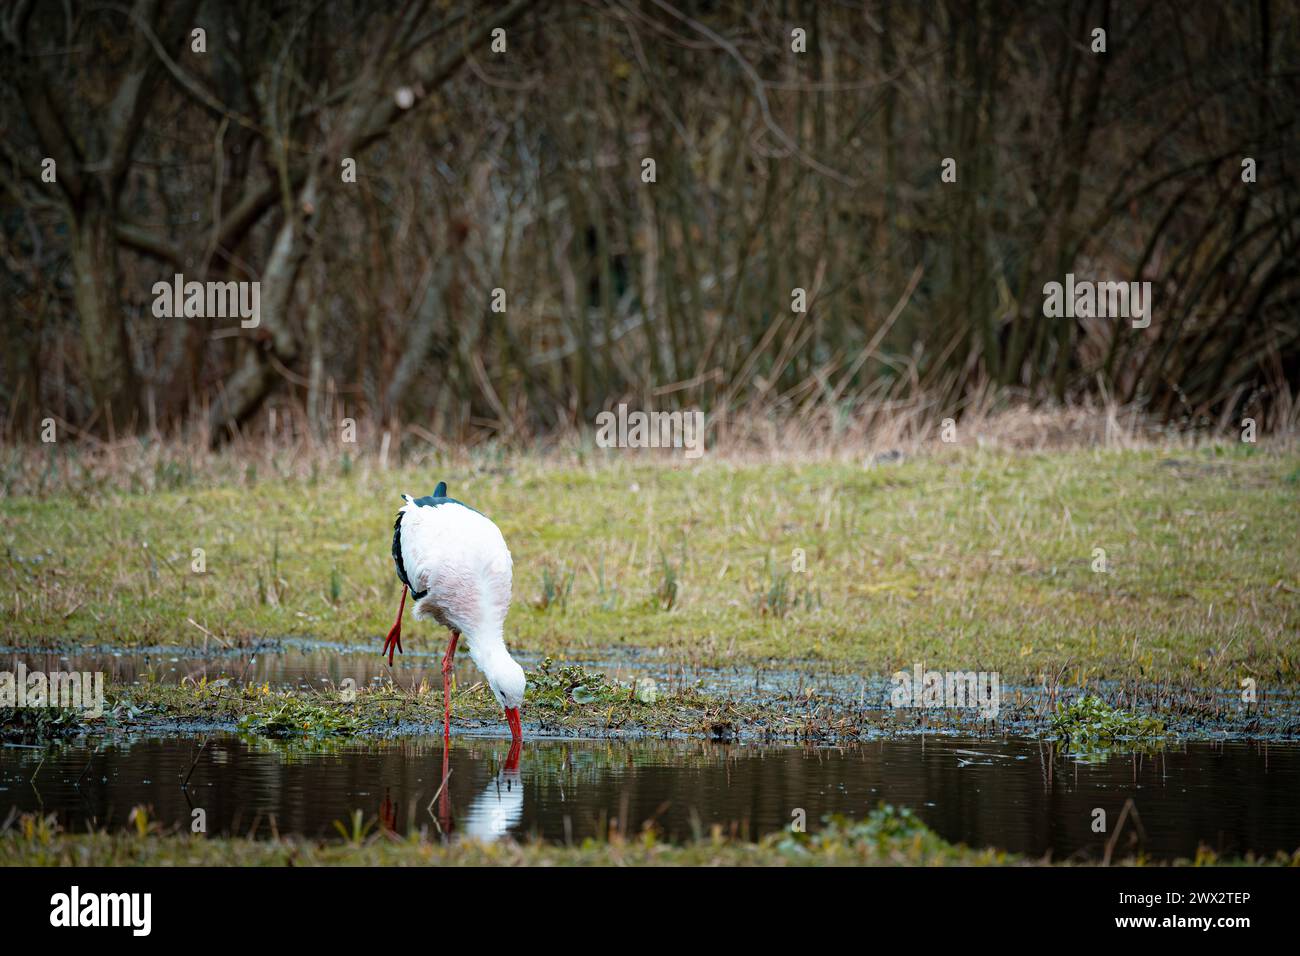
<point x="457" y="567"/>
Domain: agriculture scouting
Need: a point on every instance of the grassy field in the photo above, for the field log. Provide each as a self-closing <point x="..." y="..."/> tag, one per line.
<point x="970" y="558"/>
<point x="967" y="558"/>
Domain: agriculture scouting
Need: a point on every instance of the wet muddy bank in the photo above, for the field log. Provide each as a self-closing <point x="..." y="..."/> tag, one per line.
<point x="348" y="690"/>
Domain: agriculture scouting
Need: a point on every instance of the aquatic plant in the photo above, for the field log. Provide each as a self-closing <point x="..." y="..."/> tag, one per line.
<point x="1089" y="720"/>
<point x="39" y="723"/>
<point x="295" y="717"/>
<point x="557" y="688"/>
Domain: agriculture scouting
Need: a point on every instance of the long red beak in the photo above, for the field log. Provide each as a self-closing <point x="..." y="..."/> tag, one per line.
<point x="512" y="718"/>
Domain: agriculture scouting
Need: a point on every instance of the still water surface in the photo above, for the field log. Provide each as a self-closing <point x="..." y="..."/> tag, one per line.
<point x="1014" y="794"/>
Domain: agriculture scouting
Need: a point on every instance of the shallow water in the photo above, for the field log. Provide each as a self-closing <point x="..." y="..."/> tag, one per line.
<point x="299" y="664"/>
<point x="307" y="664"/>
<point x="1016" y="794"/>
<point x="1012" y="794"/>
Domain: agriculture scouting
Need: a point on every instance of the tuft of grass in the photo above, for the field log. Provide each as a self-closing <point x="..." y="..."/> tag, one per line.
<point x="172" y="475"/>
<point x="139" y="819"/>
<point x="606" y="595"/>
<point x="355" y="830"/>
<point x="883" y="828"/>
<point x="774" y="597"/>
<point x="555" y="590"/>
<point x="777" y="596"/>
<point x="665" y="595"/>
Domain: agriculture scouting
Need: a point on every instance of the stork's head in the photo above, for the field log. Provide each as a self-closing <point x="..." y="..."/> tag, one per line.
<point x="506" y="678"/>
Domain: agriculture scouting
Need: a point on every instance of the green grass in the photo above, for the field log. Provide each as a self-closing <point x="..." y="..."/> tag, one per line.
<point x="886" y="837"/>
<point x="971" y="558"/>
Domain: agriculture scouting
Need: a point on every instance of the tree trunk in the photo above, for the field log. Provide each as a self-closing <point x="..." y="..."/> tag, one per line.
<point x="274" y="336"/>
<point x="111" y="375"/>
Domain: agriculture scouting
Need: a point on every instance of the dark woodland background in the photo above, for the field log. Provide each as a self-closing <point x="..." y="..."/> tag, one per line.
<point x="522" y="170"/>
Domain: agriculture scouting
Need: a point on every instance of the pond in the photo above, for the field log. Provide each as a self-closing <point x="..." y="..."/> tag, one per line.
<point x="1019" y="795"/>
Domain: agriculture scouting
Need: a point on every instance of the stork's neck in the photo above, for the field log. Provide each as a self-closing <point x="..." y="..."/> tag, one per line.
<point x="503" y="673"/>
<point x="487" y="648"/>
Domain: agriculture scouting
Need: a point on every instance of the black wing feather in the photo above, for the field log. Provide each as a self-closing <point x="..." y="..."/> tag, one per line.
<point x="439" y="497"/>
<point x="397" y="555"/>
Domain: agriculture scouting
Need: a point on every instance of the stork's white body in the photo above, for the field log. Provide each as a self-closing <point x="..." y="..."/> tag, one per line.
<point x="460" y="558"/>
<point x="457" y="561"/>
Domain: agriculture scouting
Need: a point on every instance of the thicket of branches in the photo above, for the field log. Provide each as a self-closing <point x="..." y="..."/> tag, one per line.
<point x="522" y="171"/>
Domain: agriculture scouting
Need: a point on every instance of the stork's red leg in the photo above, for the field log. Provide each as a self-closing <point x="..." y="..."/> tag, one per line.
<point x="394" y="639"/>
<point x="444" y="801"/>
<point x="448" y="660"/>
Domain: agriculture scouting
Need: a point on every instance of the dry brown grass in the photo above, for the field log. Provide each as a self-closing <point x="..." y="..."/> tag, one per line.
<point x="283" y="443"/>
